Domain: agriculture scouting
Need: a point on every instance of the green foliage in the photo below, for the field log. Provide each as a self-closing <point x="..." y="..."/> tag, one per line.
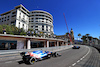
<point x="67" y="33"/>
<point x="1" y="28"/>
<point x="79" y="34"/>
<point x="11" y="29"/>
<point x="87" y="35"/>
<point x="30" y="29"/>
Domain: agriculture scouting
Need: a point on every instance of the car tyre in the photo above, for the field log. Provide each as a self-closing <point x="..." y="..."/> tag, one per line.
<point x="32" y="61"/>
<point x="49" y="56"/>
<point x="55" y="54"/>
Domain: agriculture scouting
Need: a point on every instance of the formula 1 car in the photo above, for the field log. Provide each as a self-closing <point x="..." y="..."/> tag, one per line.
<point x="31" y="57"/>
<point x="75" y="47"/>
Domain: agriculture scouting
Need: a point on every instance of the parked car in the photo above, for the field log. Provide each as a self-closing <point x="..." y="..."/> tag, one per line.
<point x="31" y="57"/>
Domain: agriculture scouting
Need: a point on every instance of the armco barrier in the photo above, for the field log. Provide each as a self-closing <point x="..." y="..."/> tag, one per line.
<point x="57" y="48"/>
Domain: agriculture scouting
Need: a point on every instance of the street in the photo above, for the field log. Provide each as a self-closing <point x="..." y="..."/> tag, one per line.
<point x="70" y="57"/>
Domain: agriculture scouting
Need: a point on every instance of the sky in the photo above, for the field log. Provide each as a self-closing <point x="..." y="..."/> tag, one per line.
<point x="83" y="16"/>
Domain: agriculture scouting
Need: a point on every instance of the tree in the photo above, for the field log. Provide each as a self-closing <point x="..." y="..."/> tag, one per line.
<point x="84" y="39"/>
<point x="1" y="28"/>
<point x="22" y="32"/>
<point x="67" y="33"/>
<point x="79" y="35"/>
<point x="87" y="35"/>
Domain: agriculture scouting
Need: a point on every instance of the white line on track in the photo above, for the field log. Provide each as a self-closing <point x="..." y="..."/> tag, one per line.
<point x="81" y="58"/>
<point x="18" y="60"/>
<point x="73" y="64"/>
<point x="8" y="62"/>
<point x="78" y="61"/>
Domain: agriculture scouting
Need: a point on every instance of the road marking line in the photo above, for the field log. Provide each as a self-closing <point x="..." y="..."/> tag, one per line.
<point x="78" y="61"/>
<point x="8" y="62"/>
<point x="18" y="60"/>
<point x="81" y="59"/>
<point x="74" y="64"/>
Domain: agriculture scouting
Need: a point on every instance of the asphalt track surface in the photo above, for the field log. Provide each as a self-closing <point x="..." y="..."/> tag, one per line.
<point x="83" y="57"/>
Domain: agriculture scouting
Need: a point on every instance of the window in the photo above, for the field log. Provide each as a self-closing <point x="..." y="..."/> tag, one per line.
<point x="19" y="22"/>
<point x="42" y="15"/>
<point x="36" y="26"/>
<point x="36" y="29"/>
<point x="36" y="21"/>
<point x="36" y="15"/>
<point x="42" y="25"/>
<point x="23" y="24"/>
<point x="46" y="29"/>
<point x="19" y="17"/>
<point x="20" y="13"/>
<point x="31" y="26"/>
<point x="13" y="15"/>
<point x="42" y="29"/>
<point x="36" y="18"/>
<point x="13" y="12"/>
<point x="46" y="26"/>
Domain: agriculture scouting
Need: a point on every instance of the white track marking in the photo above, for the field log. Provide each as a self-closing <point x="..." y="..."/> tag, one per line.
<point x="18" y="60"/>
<point x="8" y="62"/>
<point x="82" y="57"/>
<point x="73" y="64"/>
<point x="78" y="61"/>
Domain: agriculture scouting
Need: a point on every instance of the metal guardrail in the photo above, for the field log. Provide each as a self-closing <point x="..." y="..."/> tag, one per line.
<point x="4" y="52"/>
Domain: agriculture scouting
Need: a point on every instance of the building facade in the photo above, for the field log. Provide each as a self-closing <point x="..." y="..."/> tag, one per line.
<point x="37" y="20"/>
<point x="41" y="21"/>
<point x="18" y="17"/>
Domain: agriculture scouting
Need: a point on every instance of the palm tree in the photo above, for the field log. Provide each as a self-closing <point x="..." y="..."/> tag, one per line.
<point x="87" y="35"/>
<point x="79" y="35"/>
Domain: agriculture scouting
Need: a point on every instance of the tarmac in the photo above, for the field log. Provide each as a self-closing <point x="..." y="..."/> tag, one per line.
<point x="15" y="54"/>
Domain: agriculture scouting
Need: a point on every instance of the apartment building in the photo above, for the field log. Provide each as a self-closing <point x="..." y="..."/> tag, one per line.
<point x="41" y="21"/>
<point x="37" y="20"/>
<point x="18" y="17"/>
